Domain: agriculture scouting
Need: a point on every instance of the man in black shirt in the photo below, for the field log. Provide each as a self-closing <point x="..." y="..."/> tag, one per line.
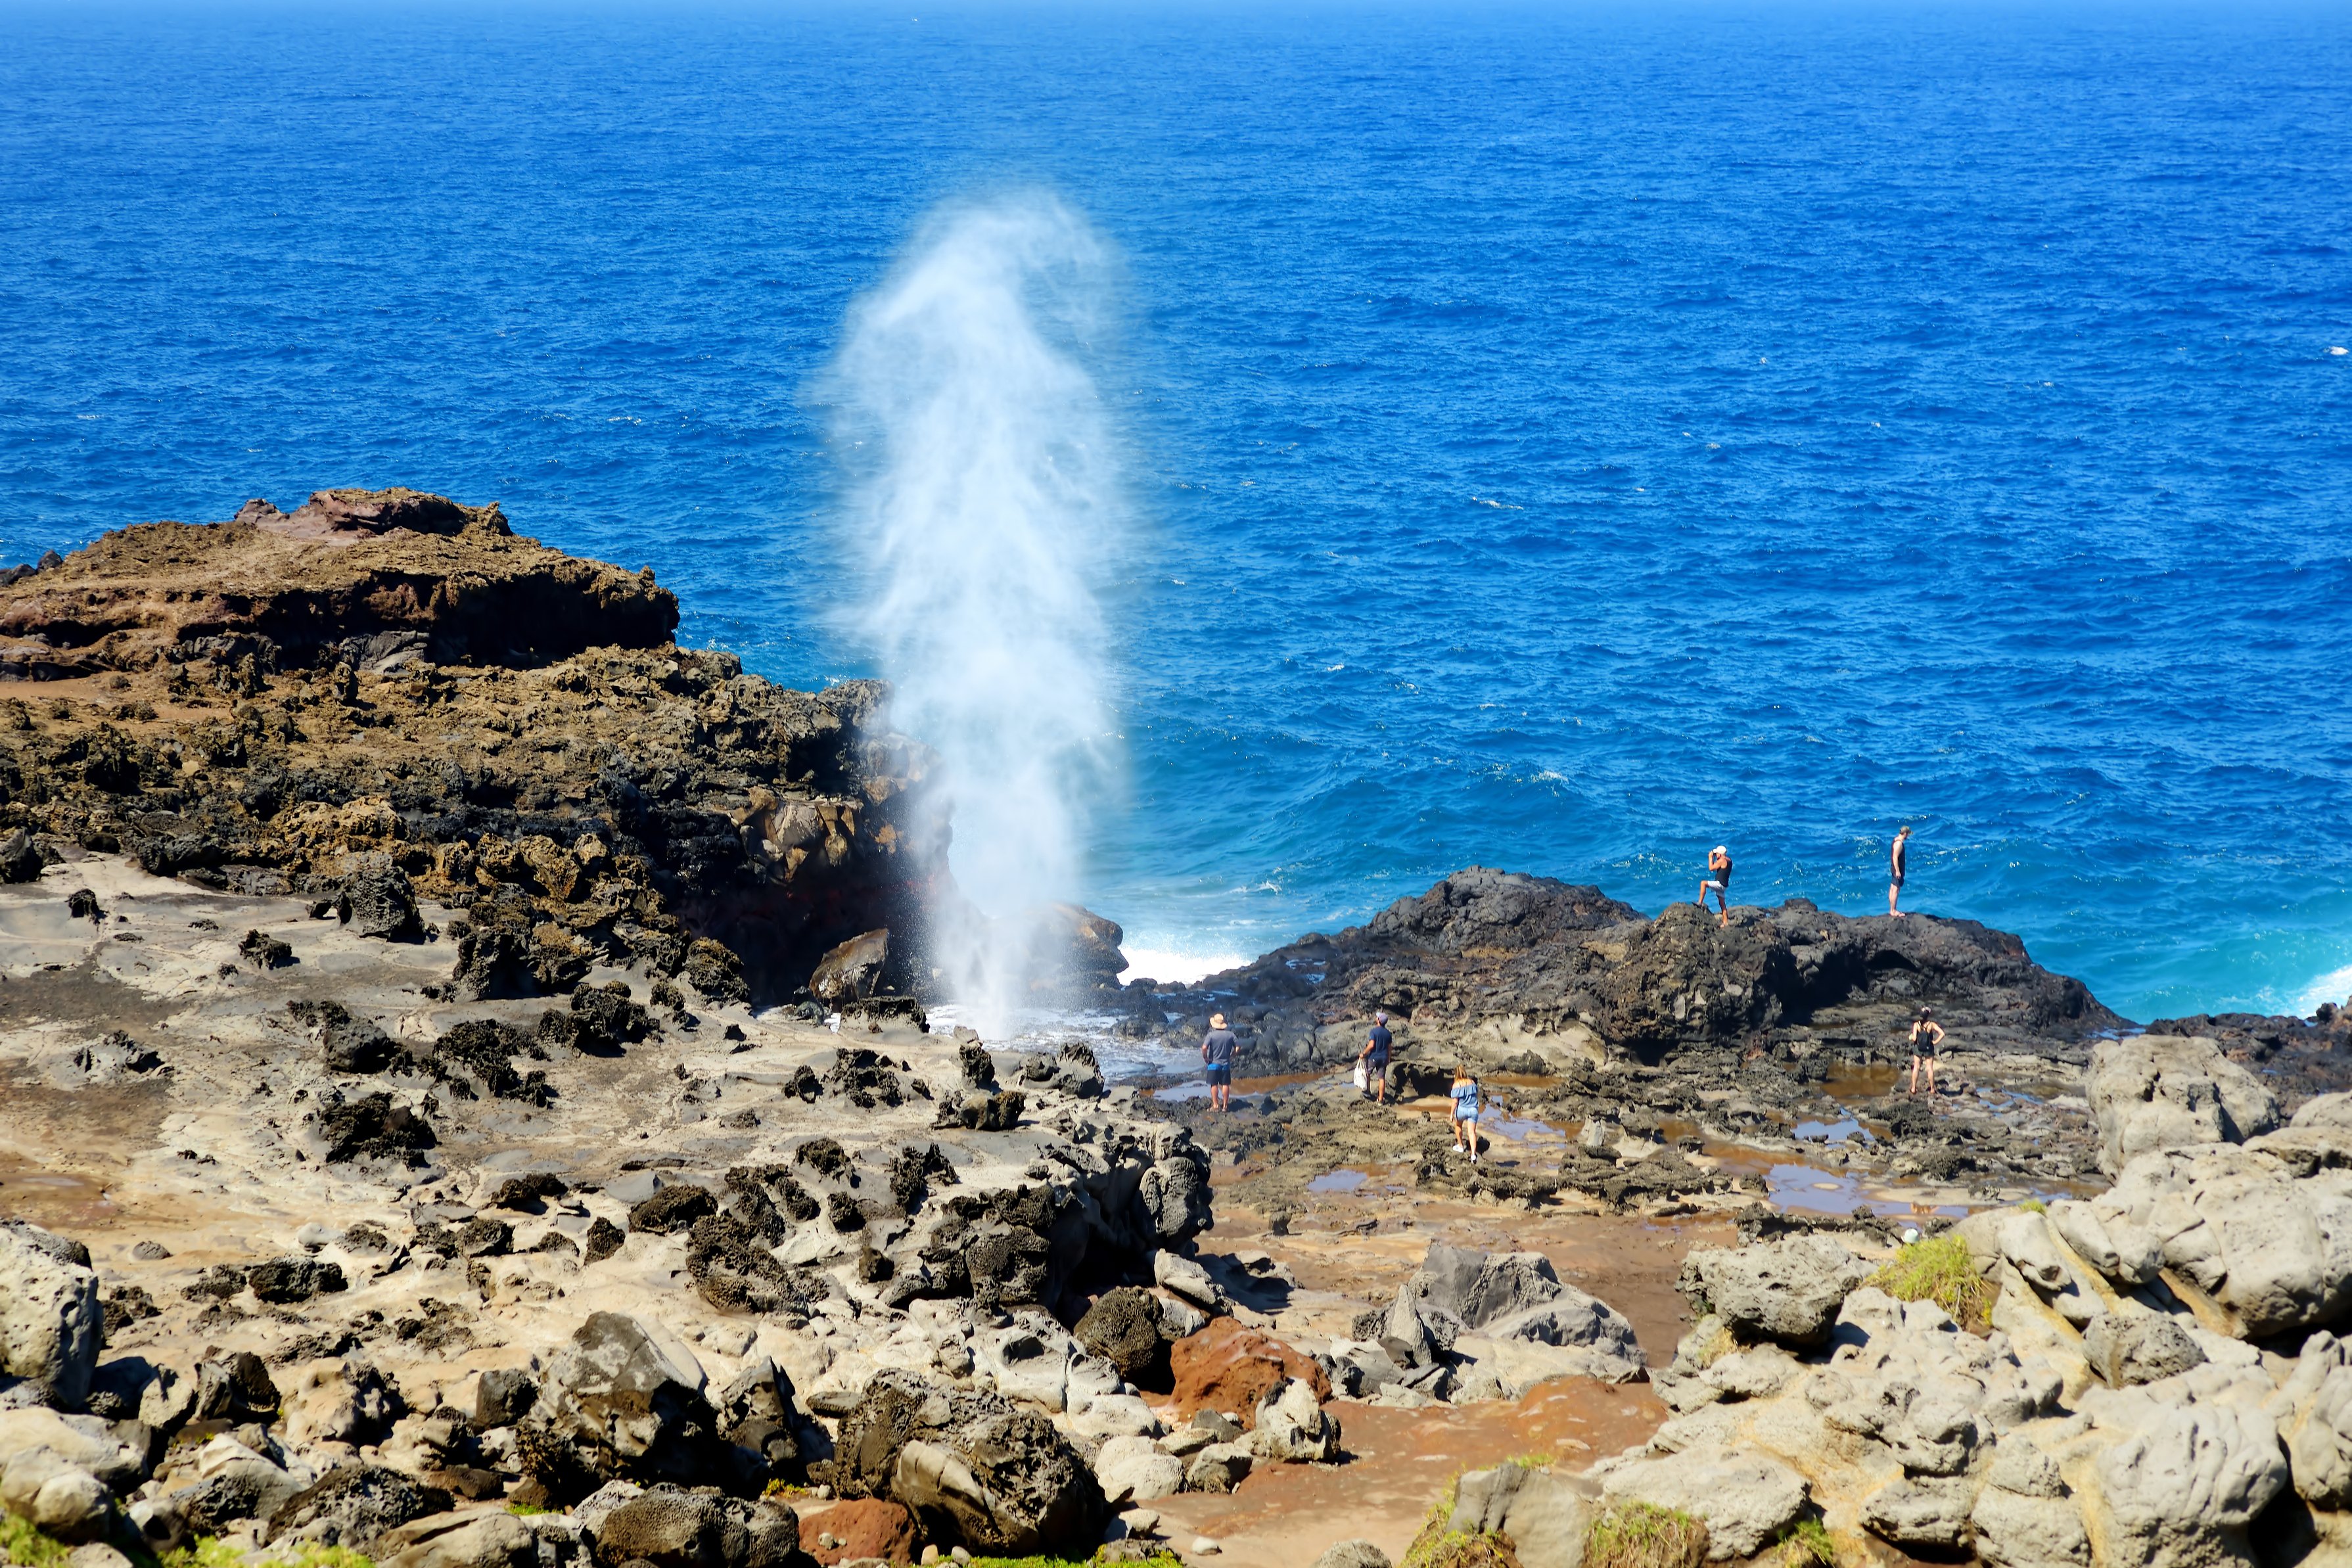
<point x="1375" y="1057"/>
<point x="1217" y="1048"/>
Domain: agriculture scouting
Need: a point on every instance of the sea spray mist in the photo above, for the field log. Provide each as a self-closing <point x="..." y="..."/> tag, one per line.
<point x="985" y="509"/>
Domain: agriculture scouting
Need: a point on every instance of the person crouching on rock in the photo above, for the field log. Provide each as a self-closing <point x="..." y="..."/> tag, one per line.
<point x="1217" y="1056"/>
<point x="1465" y="1111"/>
<point x="1719" y="882"/>
<point x="1926" y="1036"/>
<point x="1375" y="1057"/>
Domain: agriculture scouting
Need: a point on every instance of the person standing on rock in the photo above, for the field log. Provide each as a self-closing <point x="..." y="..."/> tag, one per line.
<point x="1926" y="1036"/>
<point x="1375" y="1057"/>
<point x="1217" y="1047"/>
<point x="1719" y="882"/>
<point x="1895" y="863"/>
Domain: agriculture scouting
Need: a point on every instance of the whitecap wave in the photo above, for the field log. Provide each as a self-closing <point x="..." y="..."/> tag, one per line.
<point x="2335" y="987"/>
<point x="1178" y="966"/>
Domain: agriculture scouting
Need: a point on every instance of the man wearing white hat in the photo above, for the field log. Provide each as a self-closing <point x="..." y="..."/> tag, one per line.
<point x="1719" y="882"/>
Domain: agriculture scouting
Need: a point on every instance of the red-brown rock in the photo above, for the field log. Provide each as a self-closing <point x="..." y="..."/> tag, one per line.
<point x="865" y="1527"/>
<point x="1228" y="1368"/>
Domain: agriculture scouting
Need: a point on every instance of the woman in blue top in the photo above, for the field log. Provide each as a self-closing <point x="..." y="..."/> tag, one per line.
<point x="1466" y="1112"/>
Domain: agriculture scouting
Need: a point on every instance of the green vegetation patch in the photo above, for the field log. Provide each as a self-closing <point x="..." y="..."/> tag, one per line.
<point x="1938" y="1268"/>
<point x="1643" y="1535"/>
<point x="1808" y="1545"/>
<point x="205" y="1552"/>
<point x="312" y="1554"/>
<point x="21" y="1544"/>
<point x="209" y="1552"/>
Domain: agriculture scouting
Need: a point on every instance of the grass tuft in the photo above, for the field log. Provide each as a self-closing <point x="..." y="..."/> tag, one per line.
<point x="210" y="1552"/>
<point x="316" y="1554"/>
<point x="2034" y="1206"/>
<point x="1643" y="1535"/>
<point x="1807" y="1544"/>
<point x="26" y="1547"/>
<point x="1938" y="1268"/>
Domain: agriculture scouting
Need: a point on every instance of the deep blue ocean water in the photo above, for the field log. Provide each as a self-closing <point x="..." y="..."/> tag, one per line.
<point x="1563" y="438"/>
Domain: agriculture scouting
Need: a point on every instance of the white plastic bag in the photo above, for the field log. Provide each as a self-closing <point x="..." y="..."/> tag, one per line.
<point x="1362" y="1083"/>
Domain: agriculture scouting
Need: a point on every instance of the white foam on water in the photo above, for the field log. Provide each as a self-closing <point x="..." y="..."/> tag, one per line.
<point x="1177" y="966"/>
<point x="2335" y="987"/>
<point x="1046" y="1029"/>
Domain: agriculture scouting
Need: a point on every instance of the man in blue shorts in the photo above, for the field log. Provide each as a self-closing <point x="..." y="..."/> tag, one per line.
<point x="1217" y="1048"/>
<point x="1375" y="1057"/>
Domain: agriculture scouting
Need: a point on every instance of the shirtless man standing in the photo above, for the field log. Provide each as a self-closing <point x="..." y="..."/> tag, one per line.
<point x="1895" y="868"/>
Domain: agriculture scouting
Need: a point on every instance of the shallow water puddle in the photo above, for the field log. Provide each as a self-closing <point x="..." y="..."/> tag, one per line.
<point x="1832" y="1132"/>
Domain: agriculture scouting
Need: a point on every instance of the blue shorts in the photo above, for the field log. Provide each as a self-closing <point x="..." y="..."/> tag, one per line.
<point x="1221" y="1075"/>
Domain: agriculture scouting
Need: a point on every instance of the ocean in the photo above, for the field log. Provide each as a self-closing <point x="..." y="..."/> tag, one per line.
<point x="1559" y="438"/>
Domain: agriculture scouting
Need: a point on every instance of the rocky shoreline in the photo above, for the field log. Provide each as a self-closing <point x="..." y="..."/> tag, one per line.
<point x="471" y="1103"/>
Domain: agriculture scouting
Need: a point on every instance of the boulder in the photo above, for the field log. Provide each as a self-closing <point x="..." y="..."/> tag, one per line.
<point x="672" y="1211"/>
<point x="56" y="1496"/>
<point x="1231" y="1369"/>
<point x="1293" y="1429"/>
<point x="1414" y="1335"/>
<point x="1136" y="1470"/>
<point x="380" y="901"/>
<point x="1546" y="1514"/>
<point x="1744" y="1496"/>
<point x="1005" y="1485"/>
<point x="235" y="1388"/>
<point x="2013" y="1532"/>
<point x="2123" y="1252"/>
<point x="1181" y="1276"/>
<point x="1920" y="1512"/>
<point x="1789" y="1290"/>
<point x="851" y="970"/>
<point x="1219" y="1467"/>
<point x="1573" y="1321"/>
<point x="2319" y="1443"/>
<point x="864" y="1529"/>
<point x="502" y="1396"/>
<point x="85" y="1442"/>
<point x="1479" y="1287"/>
<point x="972" y="1466"/>
<point x="757" y="1413"/>
<point x="1123" y="1327"/>
<point x="2151" y="1092"/>
<point x="52" y="1324"/>
<point x="2138" y="1347"/>
<point x="1363" y="1553"/>
<point x="2181" y="1489"/>
<point x="476" y="1538"/>
<point x="20" y="858"/>
<point x="233" y="1482"/>
<point x="2024" y="1517"/>
<point x="283" y="1281"/>
<point x="2270" y="1247"/>
<point x="675" y="1528"/>
<point x="621" y="1399"/>
<point x="353" y="1506"/>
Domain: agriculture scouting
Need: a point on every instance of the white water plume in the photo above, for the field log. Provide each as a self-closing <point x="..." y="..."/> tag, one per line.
<point x="987" y="505"/>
